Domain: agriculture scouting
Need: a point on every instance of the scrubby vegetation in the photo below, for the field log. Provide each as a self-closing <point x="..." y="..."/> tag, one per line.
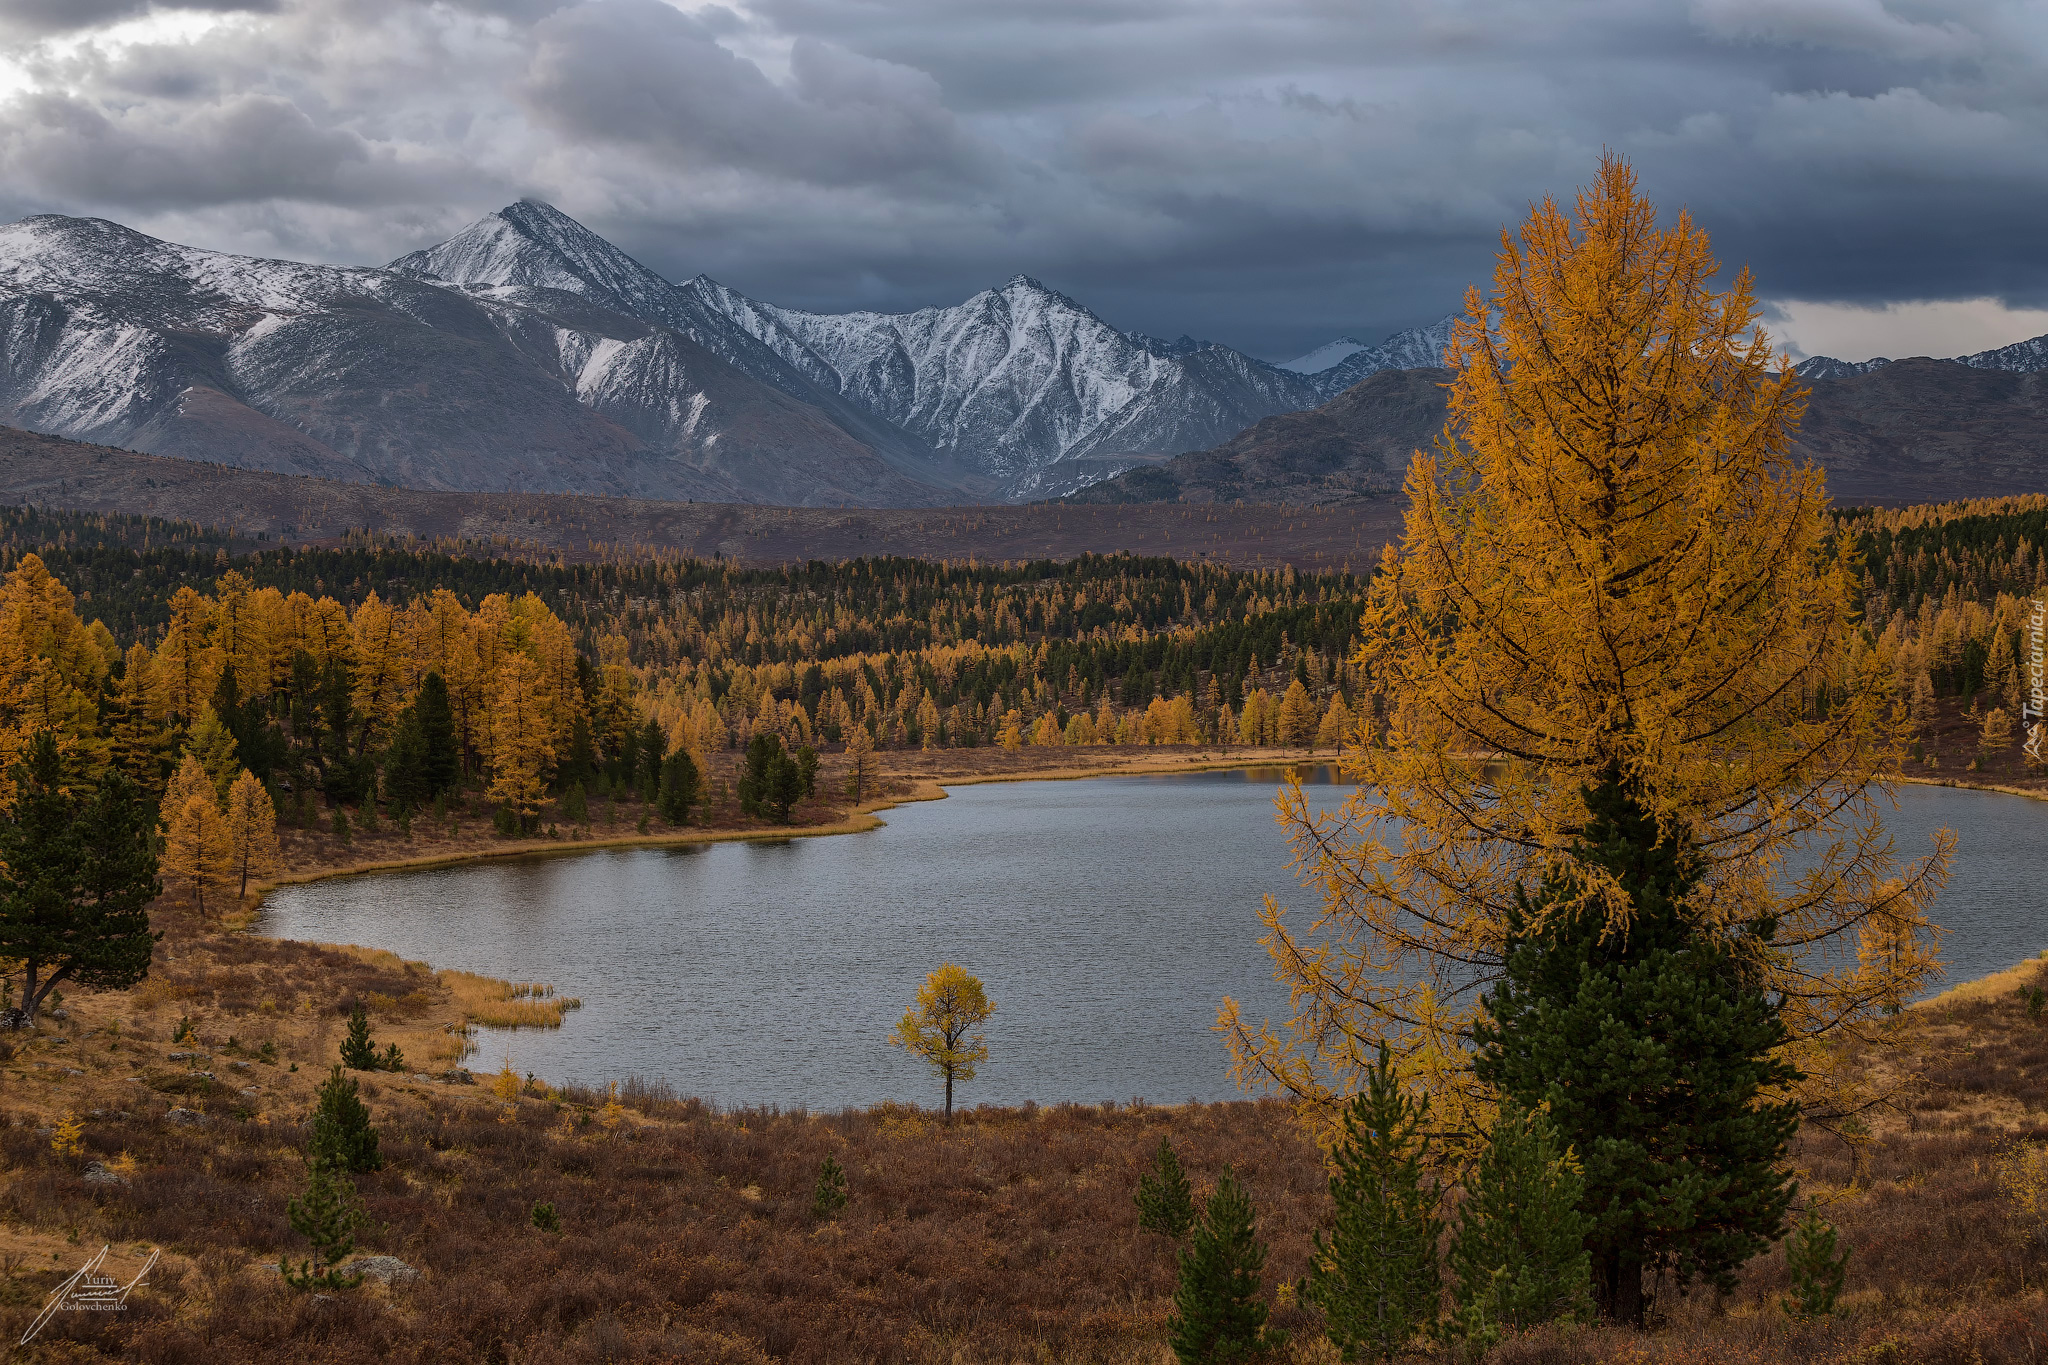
<point x="671" y="1231"/>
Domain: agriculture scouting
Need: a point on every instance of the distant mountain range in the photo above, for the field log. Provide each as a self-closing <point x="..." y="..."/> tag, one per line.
<point x="2022" y="357"/>
<point x="1337" y="365"/>
<point x="1886" y="432"/>
<point x="528" y="353"/>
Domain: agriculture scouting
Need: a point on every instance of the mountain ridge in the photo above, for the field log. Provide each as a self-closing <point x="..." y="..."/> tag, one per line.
<point x="1916" y="430"/>
<point x="372" y="375"/>
<point x="1021" y="378"/>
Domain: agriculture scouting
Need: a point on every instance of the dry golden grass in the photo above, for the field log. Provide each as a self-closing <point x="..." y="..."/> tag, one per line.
<point x="506" y="1004"/>
<point x="1997" y="986"/>
<point x="1005" y="1238"/>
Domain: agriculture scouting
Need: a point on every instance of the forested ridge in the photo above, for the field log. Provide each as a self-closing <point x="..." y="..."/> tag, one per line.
<point x="331" y="647"/>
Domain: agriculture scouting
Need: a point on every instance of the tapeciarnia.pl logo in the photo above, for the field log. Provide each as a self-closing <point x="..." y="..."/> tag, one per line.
<point x="90" y="1291"/>
<point x="2036" y="704"/>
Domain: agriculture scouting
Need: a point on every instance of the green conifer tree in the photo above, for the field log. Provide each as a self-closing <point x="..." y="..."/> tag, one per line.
<point x="1518" y="1251"/>
<point x="1377" y="1279"/>
<point x="1651" y="1049"/>
<point x="327" y="1215"/>
<point x="828" y="1196"/>
<point x="77" y="874"/>
<point x="679" y="787"/>
<point x="653" y="748"/>
<point x="405" y="763"/>
<point x="1165" y="1198"/>
<point x="443" y="756"/>
<point x="358" y="1052"/>
<point x="1219" y="1315"/>
<point x="342" y="1135"/>
<point x="1816" y="1267"/>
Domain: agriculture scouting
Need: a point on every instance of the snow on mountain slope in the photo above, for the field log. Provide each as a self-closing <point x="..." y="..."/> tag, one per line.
<point x="1827" y="367"/>
<point x="372" y="375"/>
<point x="535" y="245"/>
<point x="1324" y="356"/>
<point x="1016" y="380"/>
<point x="1418" y="348"/>
<point x="2022" y="357"/>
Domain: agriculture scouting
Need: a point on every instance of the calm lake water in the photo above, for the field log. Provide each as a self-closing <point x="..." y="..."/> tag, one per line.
<point x="1106" y="917"/>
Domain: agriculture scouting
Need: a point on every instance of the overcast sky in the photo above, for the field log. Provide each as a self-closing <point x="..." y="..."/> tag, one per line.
<point x="1266" y="173"/>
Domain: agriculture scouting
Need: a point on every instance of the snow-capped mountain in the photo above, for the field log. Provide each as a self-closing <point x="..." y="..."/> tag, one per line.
<point x="1022" y="382"/>
<point x="1324" y="356"/>
<point x="370" y="375"/>
<point x="1827" y="367"/>
<point x="529" y="352"/>
<point x="535" y="245"/>
<point x="1337" y="365"/>
<point x="2022" y="357"/>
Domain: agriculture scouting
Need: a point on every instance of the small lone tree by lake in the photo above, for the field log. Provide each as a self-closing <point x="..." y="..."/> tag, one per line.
<point x="944" y="1026"/>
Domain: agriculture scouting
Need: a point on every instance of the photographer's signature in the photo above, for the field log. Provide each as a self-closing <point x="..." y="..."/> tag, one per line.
<point x="90" y="1291"/>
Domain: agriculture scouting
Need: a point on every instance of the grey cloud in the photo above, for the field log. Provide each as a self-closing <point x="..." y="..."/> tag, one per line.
<point x="71" y="16"/>
<point x="1857" y="25"/>
<point x="638" y="72"/>
<point x="1260" y="173"/>
<point x="249" y="149"/>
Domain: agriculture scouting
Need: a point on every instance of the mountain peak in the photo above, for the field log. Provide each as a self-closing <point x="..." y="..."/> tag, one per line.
<point x="1338" y="365"/>
<point x="534" y="244"/>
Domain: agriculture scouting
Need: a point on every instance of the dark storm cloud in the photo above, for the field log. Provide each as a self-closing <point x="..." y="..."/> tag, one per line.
<point x="638" y="73"/>
<point x="1263" y="172"/>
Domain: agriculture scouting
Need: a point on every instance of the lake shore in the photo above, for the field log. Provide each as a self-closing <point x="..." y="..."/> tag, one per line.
<point x="906" y="776"/>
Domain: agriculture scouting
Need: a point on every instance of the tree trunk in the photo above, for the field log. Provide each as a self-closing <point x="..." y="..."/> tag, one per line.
<point x="949" y="1097"/>
<point x="1618" y="1284"/>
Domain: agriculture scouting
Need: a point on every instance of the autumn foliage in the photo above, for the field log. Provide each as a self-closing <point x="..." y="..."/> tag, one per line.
<point x="1612" y="569"/>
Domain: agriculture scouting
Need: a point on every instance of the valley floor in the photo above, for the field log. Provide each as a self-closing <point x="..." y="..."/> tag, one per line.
<point x="688" y="1234"/>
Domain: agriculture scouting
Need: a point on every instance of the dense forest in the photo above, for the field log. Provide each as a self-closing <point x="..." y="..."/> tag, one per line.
<point x="385" y="676"/>
<point x="310" y="667"/>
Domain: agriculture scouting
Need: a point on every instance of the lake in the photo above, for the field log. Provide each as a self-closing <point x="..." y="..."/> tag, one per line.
<point x="1107" y="917"/>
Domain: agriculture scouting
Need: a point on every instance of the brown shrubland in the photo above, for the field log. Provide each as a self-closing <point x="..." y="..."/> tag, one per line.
<point x="687" y="1232"/>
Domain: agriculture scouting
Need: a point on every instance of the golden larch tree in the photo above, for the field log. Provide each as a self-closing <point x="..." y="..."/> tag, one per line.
<point x="860" y="763"/>
<point x="188" y="779"/>
<point x="214" y="747"/>
<point x="522" y="744"/>
<point x="241" y="632"/>
<point x="186" y="660"/>
<point x="1298" y="718"/>
<point x="944" y="1027"/>
<point x="380" y="658"/>
<point x="1335" y="728"/>
<point x="251" y="831"/>
<point x="1612" y="570"/>
<point x="197" y="856"/>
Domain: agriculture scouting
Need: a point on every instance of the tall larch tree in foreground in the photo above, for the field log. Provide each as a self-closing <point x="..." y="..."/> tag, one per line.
<point x="1614" y="582"/>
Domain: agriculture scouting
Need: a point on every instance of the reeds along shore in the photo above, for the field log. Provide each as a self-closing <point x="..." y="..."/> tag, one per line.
<point x="689" y="1234"/>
